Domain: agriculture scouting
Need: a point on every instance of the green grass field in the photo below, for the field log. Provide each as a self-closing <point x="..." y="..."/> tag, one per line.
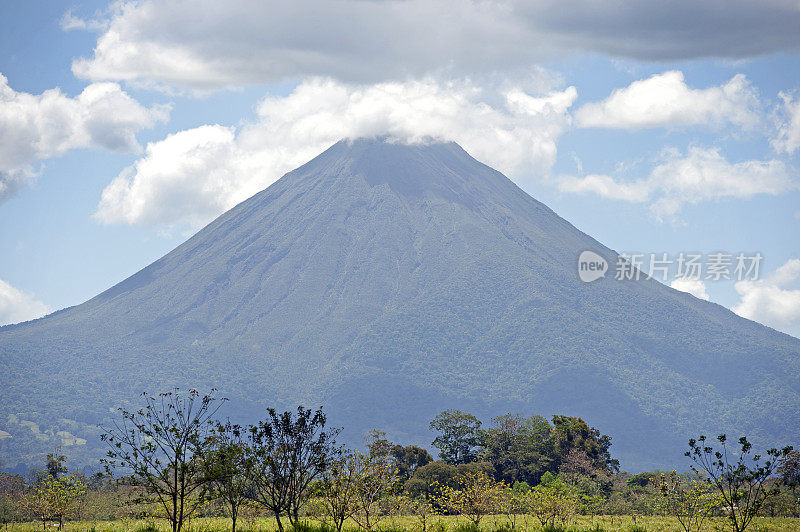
<point x="582" y="523"/>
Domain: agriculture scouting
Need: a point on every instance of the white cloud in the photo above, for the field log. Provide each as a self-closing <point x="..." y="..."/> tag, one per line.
<point x="204" y="44"/>
<point x="71" y="22"/>
<point x="35" y="127"/>
<point x="699" y="175"/>
<point x="696" y="287"/>
<point x="788" y="139"/>
<point x="774" y="301"/>
<point x="664" y="100"/>
<point x="193" y="175"/>
<point x="17" y="306"/>
<point x="606" y="186"/>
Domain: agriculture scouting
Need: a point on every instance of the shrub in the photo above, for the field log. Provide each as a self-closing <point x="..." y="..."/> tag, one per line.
<point x="466" y="527"/>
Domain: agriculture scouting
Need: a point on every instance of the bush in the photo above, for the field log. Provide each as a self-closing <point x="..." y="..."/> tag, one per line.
<point x="466" y="527"/>
<point x="307" y="526"/>
<point x="554" y="528"/>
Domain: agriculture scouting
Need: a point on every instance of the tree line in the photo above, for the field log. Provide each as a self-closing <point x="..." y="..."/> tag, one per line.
<point x="174" y="454"/>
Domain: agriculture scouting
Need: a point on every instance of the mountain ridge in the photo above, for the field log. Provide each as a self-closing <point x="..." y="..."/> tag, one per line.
<point x="389" y="282"/>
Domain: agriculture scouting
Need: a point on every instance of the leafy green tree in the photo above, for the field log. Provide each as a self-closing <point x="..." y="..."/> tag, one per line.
<point x="338" y="490"/>
<point x="459" y="436"/>
<point x="161" y="445"/>
<point x="423" y="484"/>
<point x="377" y="444"/>
<point x="475" y="496"/>
<point x="789" y="471"/>
<point x="741" y="482"/>
<point x="554" y="502"/>
<point x="55" y="499"/>
<point x="228" y="467"/>
<point x="409" y="459"/>
<point x="12" y="489"/>
<point x="423" y="510"/>
<point x="55" y="464"/>
<point x="289" y="453"/>
<point x="574" y="433"/>
<point x="520" y="449"/>
<point x="643" y="479"/>
<point x="374" y="480"/>
<point x="689" y="500"/>
<point x="513" y="502"/>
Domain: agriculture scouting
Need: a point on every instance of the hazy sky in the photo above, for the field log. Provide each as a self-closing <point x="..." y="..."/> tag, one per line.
<point x="655" y="127"/>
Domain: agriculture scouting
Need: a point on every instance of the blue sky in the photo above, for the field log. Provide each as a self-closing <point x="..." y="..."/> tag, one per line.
<point x="125" y="127"/>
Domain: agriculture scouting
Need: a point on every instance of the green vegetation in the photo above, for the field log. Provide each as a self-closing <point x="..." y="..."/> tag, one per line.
<point x="180" y="467"/>
<point x="492" y="523"/>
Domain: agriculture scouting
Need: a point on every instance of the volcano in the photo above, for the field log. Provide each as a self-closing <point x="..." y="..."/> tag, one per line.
<point x="388" y="282"/>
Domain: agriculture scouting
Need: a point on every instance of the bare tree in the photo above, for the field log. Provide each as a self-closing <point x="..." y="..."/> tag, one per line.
<point x="228" y="467"/>
<point x="160" y="444"/>
<point x="739" y="481"/>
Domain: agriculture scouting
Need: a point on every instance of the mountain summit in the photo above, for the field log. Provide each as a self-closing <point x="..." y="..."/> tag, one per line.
<point x="389" y="282"/>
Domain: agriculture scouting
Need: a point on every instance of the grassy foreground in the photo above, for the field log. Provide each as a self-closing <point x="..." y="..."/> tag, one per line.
<point x="448" y="523"/>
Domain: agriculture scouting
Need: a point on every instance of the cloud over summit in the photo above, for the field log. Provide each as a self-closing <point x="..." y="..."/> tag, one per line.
<point x="194" y="175"/>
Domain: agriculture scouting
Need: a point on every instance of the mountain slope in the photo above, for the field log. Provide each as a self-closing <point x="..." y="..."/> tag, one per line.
<point x="388" y="282"/>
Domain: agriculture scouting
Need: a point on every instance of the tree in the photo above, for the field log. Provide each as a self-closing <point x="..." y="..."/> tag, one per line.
<point x="55" y="498"/>
<point x="553" y="502"/>
<point x="741" y="482"/>
<point x="289" y="453"/>
<point x="12" y="488"/>
<point x="55" y="464"/>
<point x="409" y="459"/>
<point x="374" y="480"/>
<point x="228" y="466"/>
<point x="161" y="445"/>
<point x="458" y="436"/>
<point x="426" y="479"/>
<point x="513" y="502"/>
<point x="789" y="471"/>
<point x="476" y="496"/>
<point x="377" y="444"/>
<point x="520" y="449"/>
<point x="574" y="433"/>
<point x="422" y="509"/>
<point x="689" y="500"/>
<point x="593" y="483"/>
<point x="338" y="490"/>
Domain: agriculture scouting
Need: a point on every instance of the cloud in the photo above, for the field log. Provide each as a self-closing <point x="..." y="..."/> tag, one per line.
<point x="35" y="127"/>
<point x="788" y="138"/>
<point x="696" y="287"/>
<point x="664" y="100"/>
<point x="773" y="301"/>
<point x="194" y="175"/>
<point x="697" y="176"/>
<point x="206" y="45"/>
<point x="607" y="187"/>
<point x="71" y="22"/>
<point x="17" y="306"/>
